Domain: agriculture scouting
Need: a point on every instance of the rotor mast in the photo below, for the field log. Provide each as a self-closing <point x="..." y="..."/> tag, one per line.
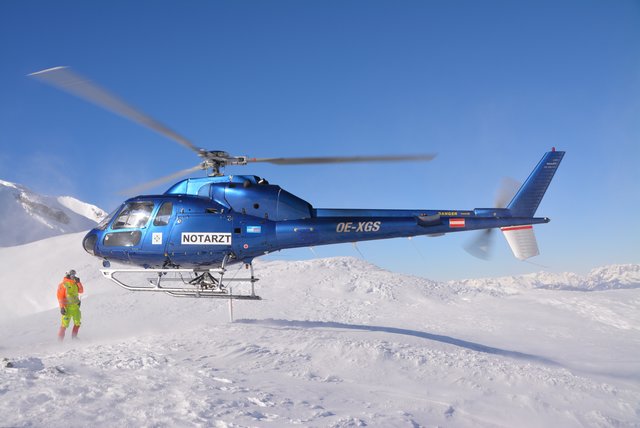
<point x="216" y="160"/>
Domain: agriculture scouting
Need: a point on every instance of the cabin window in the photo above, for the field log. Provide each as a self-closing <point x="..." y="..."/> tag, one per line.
<point x="122" y="239"/>
<point x="134" y="215"/>
<point x="164" y="214"/>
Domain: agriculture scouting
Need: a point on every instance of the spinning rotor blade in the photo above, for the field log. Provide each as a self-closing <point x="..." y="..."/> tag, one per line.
<point x="507" y="190"/>
<point x="66" y="80"/>
<point x="158" y="181"/>
<point x="481" y="245"/>
<point x="343" y="159"/>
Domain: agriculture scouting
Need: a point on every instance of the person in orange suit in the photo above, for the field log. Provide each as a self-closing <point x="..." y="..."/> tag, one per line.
<point x="69" y="292"/>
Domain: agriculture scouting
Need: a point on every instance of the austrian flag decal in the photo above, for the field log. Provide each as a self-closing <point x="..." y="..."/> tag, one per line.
<point x="456" y="222"/>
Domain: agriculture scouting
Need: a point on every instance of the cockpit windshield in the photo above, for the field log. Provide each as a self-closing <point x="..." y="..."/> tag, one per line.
<point x="105" y="221"/>
<point x="133" y="215"/>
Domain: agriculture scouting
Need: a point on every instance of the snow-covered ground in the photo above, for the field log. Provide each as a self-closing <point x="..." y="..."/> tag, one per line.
<point x="335" y="342"/>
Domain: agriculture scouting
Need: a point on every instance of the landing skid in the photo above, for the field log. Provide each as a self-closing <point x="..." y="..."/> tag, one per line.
<point x="209" y="283"/>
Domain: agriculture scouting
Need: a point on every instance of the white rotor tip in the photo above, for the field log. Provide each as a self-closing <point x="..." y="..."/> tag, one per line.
<point x="47" y="70"/>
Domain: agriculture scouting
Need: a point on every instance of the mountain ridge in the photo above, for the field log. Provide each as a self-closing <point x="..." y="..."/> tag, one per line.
<point x="615" y="276"/>
<point x="27" y="216"/>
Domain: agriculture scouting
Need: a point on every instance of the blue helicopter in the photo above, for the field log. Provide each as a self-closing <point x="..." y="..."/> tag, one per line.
<point x="189" y="235"/>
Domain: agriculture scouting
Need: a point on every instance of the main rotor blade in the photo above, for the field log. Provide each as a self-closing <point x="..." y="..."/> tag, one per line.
<point x="344" y="159"/>
<point x="158" y="181"/>
<point x="66" y="80"/>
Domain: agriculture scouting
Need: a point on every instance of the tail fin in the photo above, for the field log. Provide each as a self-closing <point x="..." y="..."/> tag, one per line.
<point x="521" y="239"/>
<point x="526" y="201"/>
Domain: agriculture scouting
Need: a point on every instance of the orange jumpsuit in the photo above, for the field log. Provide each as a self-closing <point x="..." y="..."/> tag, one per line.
<point x="69" y="299"/>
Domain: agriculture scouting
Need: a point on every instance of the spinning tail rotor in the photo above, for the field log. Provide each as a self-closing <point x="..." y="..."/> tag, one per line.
<point x="482" y="245"/>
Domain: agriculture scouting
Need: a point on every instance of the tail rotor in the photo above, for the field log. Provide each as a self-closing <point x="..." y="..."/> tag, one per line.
<point x="481" y="245"/>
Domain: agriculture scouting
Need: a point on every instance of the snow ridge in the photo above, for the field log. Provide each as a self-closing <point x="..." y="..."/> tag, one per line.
<point x="84" y="209"/>
<point x="610" y="277"/>
<point x="26" y="216"/>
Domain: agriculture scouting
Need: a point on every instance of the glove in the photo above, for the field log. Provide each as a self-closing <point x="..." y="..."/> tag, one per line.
<point x="77" y="279"/>
<point x="63" y="311"/>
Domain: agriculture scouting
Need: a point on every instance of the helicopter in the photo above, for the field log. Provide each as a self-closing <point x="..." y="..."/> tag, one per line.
<point x="189" y="235"/>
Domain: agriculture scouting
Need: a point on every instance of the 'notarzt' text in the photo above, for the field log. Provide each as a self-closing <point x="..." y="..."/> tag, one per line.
<point x="206" y="238"/>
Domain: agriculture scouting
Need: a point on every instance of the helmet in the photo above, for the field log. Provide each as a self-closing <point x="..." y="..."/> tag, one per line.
<point x="72" y="273"/>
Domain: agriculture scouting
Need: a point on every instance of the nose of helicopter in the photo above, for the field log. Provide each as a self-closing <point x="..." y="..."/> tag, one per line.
<point x="89" y="242"/>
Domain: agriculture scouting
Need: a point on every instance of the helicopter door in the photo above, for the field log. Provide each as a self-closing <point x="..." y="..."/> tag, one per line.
<point x="252" y="234"/>
<point x="157" y="236"/>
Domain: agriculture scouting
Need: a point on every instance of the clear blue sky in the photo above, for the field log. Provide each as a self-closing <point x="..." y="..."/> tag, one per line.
<point x="488" y="85"/>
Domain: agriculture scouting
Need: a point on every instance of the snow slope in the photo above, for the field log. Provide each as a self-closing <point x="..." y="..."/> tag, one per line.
<point x="26" y="216"/>
<point x="30" y="273"/>
<point x="336" y="342"/>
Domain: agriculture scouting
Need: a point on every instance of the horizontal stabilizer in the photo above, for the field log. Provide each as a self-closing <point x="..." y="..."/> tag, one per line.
<point x="522" y="241"/>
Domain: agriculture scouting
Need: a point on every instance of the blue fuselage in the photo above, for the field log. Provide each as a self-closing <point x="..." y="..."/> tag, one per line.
<point x="199" y="222"/>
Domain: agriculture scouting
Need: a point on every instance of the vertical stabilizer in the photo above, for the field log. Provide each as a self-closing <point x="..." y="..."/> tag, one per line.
<point x="526" y="201"/>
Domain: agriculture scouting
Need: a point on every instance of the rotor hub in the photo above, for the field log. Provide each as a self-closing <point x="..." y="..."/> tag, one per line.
<point x="216" y="160"/>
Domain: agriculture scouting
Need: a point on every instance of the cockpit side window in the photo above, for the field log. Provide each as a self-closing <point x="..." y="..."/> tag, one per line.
<point x="133" y="215"/>
<point x="164" y="214"/>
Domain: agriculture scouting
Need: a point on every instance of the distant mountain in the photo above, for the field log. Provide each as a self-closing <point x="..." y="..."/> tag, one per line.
<point x="26" y="216"/>
<point x="602" y="278"/>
